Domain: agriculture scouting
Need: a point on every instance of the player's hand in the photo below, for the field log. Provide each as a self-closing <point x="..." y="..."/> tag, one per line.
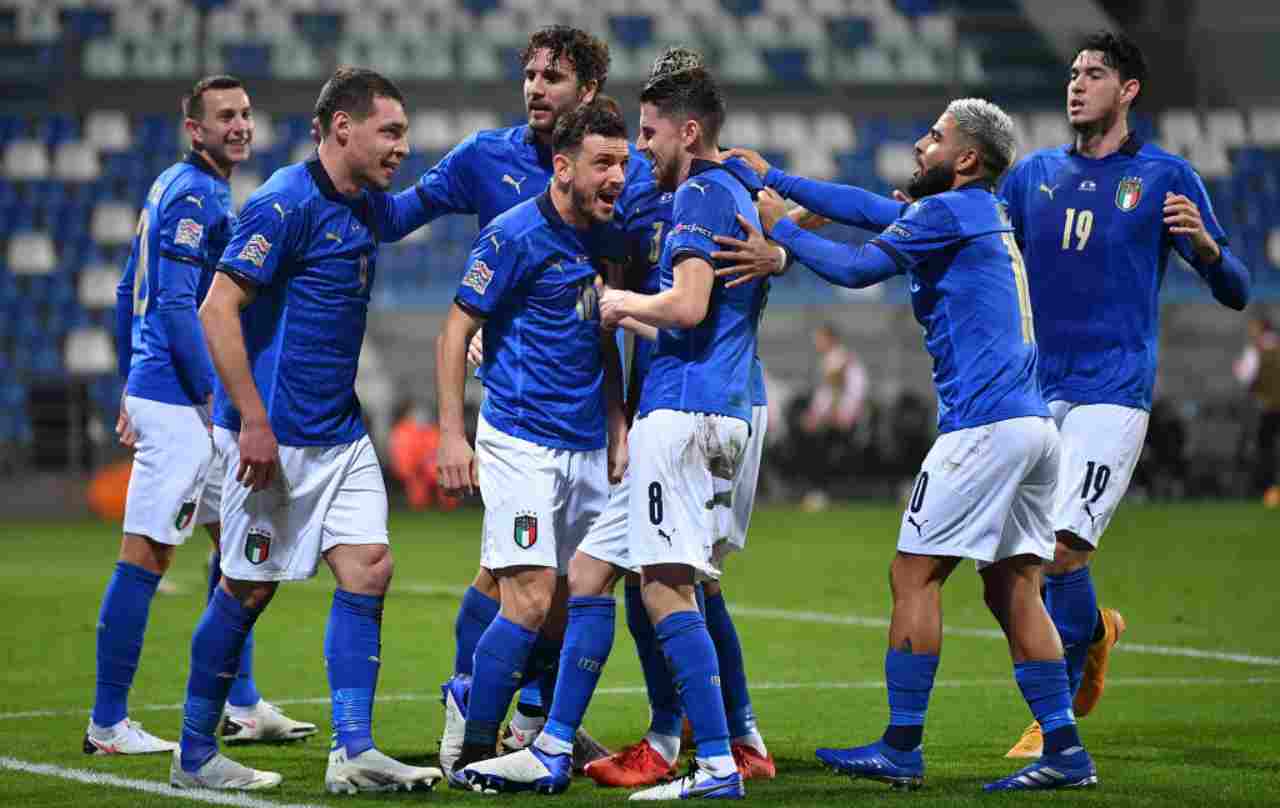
<point x="259" y="456"/>
<point x="1182" y="217"/>
<point x="750" y="157"/>
<point x="807" y="219"/>
<point x="619" y="452"/>
<point x="752" y="259"/>
<point x="614" y="305"/>
<point x="124" y="429"/>
<point x="902" y="197"/>
<point x="456" y="466"/>
<point x="475" y="349"/>
<point x="771" y="207"/>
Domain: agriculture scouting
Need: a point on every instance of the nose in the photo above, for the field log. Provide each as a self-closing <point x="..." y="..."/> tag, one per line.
<point x="401" y="149"/>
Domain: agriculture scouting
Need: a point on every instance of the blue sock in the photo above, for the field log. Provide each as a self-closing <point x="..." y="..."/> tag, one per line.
<point x="909" y="678"/>
<point x="352" y="654"/>
<point x="122" y="622"/>
<point x="733" y="674"/>
<point x="543" y="668"/>
<point x="587" y="642"/>
<point x="531" y="694"/>
<point x="215" y="573"/>
<point x="215" y="657"/>
<point x="700" y="598"/>
<point x="692" y="658"/>
<point x="1044" y="686"/>
<point x="502" y="656"/>
<point x="664" y="701"/>
<point x="244" y="690"/>
<point x="475" y="613"/>
<point x="1072" y="604"/>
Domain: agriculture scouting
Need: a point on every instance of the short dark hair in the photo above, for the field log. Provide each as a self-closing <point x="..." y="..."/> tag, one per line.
<point x="352" y="90"/>
<point x="691" y="93"/>
<point x="600" y="117"/>
<point x="1119" y="53"/>
<point x="589" y="54"/>
<point x="193" y="101"/>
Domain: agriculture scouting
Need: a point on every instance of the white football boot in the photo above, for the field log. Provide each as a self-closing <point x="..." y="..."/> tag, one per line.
<point x="262" y="722"/>
<point x="221" y="773"/>
<point x="373" y="771"/>
<point x="125" y="738"/>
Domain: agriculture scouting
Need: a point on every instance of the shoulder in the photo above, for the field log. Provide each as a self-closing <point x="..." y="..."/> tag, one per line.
<point x="938" y="211"/>
<point x="491" y="141"/>
<point x="517" y="223"/>
<point x="1153" y="157"/>
<point x="1036" y="160"/>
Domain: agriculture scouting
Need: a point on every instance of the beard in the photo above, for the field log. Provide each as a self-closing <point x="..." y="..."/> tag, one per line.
<point x="932" y="181"/>
<point x="1098" y="126"/>
<point x="584" y="204"/>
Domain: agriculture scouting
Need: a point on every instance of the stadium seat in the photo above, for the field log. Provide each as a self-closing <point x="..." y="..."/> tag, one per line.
<point x="789" y="131"/>
<point x="1047" y="130"/>
<point x="815" y="163"/>
<point x="76" y="162"/>
<point x="631" y="30"/>
<point x="1225" y="127"/>
<point x="26" y="160"/>
<point x="38" y="23"/>
<point x="297" y="62"/>
<point x="105" y="59"/>
<point x="89" y="350"/>
<point x="745" y="128"/>
<point x="264" y="129"/>
<point x="433" y="129"/>
<point x="834" y="132"/>
<point x="113" y="223"/>
<point x="107" y="130"/>
<point x="1179" y="129"/>
<point x="31" y="253"/>
<point x="473" y="120"/>
<point x="871" y="65"/>
<point x="917" y="64"/>
<point x="895" y="162"/>
<point x="1273" y="247"/>
<point x="301" y="151"/>
<point x="1209" y="158"/>
<point x="1264" y="126"/>
<point x="243" y="183"/>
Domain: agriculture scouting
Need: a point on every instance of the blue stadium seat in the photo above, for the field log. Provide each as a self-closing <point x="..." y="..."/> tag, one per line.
<point x="789" y="65"/>
<point x="319" y="28"/>
<point x="294" y="129"/>
<point x="157" y="133"/>
<point x="742" y="8"/>
<point x="632" y="30"/>
<point x="86" y="23"/>
<point x="850" y="32"/>
<point x="918" y="8"/>
<point x="55" y="129"/>
<point x="480" y="6"/>
<point x="11" y="127"/>
<point x="248" y="61"/>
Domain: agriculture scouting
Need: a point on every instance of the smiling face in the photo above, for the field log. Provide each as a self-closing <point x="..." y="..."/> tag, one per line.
<point x="1096" y="95"/>
<point x="665" y="144"/>
<point x="377" y="144"/>
<point x="225" y="131"/>
<point x="551" y="89"/>
<point x="596" y="176"/>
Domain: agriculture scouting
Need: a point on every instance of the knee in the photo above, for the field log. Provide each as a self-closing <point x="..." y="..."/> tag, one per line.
<point x="141" y="551"/>
<point x="377" y="573"/>
<point x="253" y="595"/>
<point x="590" y="577"/>
<point x="529" y="605"/>
<point x="1069" y="554"/>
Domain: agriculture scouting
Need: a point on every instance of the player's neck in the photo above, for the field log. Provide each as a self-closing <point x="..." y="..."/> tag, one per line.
<point x="338" y="174"/>
<point x="562" y="201"/>
<point x="1098" y="143"/>
<point x="223" y="171"/>
<point x="710" y="154"/>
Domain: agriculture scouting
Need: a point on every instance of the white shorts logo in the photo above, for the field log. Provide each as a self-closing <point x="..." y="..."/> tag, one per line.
<point x="255" y="250"/>
<point x="189" y="232"/>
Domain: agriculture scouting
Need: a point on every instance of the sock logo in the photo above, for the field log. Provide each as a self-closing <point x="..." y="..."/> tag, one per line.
<point x="590" y="665"/>
<point x="185" y="515"/>
<point x="257" y="547"/>
<point x="526" y="530"/>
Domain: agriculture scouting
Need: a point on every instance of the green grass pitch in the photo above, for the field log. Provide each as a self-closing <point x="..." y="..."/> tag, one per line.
<point x="1180" y="722"/>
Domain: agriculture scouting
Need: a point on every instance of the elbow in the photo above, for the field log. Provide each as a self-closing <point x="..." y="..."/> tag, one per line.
<point x="691" y="314"/>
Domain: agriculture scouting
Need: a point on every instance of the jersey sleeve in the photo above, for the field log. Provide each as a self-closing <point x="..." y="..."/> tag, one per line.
<point x="263" y="235"/>
<point x="398" y="215"/>
<point x="494" y="269"/>
<point x="702" y="211"/>
<point x="445" y="188"/>
<point x="1228" y="278"/>
<point x="926" y="227"/>
<point x="1189" y="184"/>
<point x="185" y="222"/>
<point x="846" y="204"/>
<point x="124" y="321"/>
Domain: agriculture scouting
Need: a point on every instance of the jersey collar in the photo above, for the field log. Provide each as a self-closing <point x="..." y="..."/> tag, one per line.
<point x="323" y="182"/>
<point x="199" y="162"/>
<point x="1130" y="147"/>
<point x="548" y="210"/>
<point x="977" y="185"/>
<point x="699" y="165"/>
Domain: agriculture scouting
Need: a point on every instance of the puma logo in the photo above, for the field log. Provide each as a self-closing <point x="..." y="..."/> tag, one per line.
<point x="702" y="189"/>
<point x="1092" y="517"/>
<point x="497" y="245"/>
<point x="919" y="526"/>
<point x="195" y="200"/>
<point x="1048" y="190"/>
<point x="664" y="535"/>
<point x="333" y="237"/>
<point x="278" y="209"/>
<point x="513" y="182"/>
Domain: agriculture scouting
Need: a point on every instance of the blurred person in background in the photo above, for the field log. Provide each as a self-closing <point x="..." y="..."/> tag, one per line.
<point x="836" y="405"/>
<point x="1258" y="369"/>
<point x="412" y="445"/>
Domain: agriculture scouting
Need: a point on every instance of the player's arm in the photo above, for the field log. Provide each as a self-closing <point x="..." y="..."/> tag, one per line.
<point x="444" y="189"/>
<point x="178" y="267"/>
<point x="1200" y="240"/>
<point x="615" y="407"/>
<point x="455" y="461"/>
<point x="684" y="305"/>
<point x="846" y="204"/>
<point x="841" y="264"/>
<point x="124" y="351"/>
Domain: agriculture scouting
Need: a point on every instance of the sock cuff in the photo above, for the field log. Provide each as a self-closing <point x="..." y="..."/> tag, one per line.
<point x="239" y="614"/>
<point x="677" y="623"/>
<point x="602" y="606"/>
<point x="515" y="646"/>
<point x="1066" y="579"/>
<point x="362" y="605"/>
<point x="1041" y="679"/>
<point x="139" y="574"/>
<point x="479" y="605"/>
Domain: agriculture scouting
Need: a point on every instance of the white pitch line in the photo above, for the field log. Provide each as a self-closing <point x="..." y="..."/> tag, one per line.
<point x="146" y="786"/>
<point x="634" y="690"/>
<point x="824" y="618"/>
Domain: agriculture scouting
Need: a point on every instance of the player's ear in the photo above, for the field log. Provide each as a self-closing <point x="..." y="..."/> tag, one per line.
<point x="340" y="127"/>
<point x="562" y="165"/>
<point x="1129" y="90"/>
<point x="192" y="128"/>
<point x="690" y="131"/>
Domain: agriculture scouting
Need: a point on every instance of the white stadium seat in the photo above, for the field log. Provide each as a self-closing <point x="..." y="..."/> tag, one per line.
<point x="242" y="185"/>
<point x="1179" y="129"/>
<point x="433" y="130"/>
<point x="31" y="254"/>
<point x="789" y="130"/>
<point x="1264" y="126"/>
<point x="96" y="287"/>
<point x="76" y="162"/>
<point x="89" y="351"/>
<point x="107" y="130"/>
<point x="1273" y="247"/>
<point x="895" y="162"/>
<point x="113" y="223"/>
<point x="1225" y="127"/>
<point x="744" y="128"/>
<point x="26" y="160"/>
<point x="835" y="132"/>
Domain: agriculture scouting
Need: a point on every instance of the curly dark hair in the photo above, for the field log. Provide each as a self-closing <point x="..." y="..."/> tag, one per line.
<point x="691" y="93"/>
<point x="600" y="117"/>
<point x="1120" y="53"/>
<point x="588" y="54"/>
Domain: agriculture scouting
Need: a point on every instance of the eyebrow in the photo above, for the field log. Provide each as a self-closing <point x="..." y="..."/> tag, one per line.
<point x="933" y="131"/>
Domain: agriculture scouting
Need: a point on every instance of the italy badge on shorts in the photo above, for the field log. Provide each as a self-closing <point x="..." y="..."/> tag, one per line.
<point x="526" y="530"/>
<point x="185" y="514"/>
<point x="257" y="547"/>
<point x="1128" y="193"/>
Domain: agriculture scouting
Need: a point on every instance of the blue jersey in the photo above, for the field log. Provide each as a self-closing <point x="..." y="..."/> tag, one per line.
<point x="530" y="276"/>
<point x="748" y="177"/>
<point x="311" y="252"/>
<point x="707" y="368"/>
<point x="969" y="292"/>
<point x="184" y="225"/>
<point x="643" y="226"/>
<point x="1096" y="248"/>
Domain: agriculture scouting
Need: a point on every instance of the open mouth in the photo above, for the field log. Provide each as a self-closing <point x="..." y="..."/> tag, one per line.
<point x="608" y="197"/>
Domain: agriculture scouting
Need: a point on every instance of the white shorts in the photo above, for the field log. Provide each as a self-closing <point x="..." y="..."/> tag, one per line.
<point x="209" y="511"/>
<point x="170" y="464"/>
<point x="734" y="520"/>
<point x="676" y="458"/>
<point x="322" y="496"/>
<point x="539" y="502"/>
<point x="1101" y="444"/>
<point x="985" y="493"/>
<point x="607" y="539"/>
